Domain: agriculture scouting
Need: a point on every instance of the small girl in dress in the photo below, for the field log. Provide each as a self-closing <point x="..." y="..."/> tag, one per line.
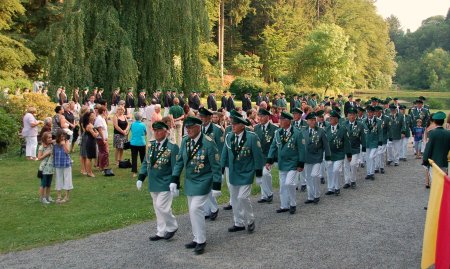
<point x="45" y="155"/>
<point x="63" y="166"/>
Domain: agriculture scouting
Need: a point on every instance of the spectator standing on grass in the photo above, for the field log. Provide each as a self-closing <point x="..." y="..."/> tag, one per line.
<point x="30" y="133"/>
<point x="121" y="128"/>
<point x="46" y="128"/>
<point x="137" y="141"/>
<point x="156" y="116"/>
<point x="177" y="113"/>
<point x="88" y="146"/>
<point x="45" y="156"/>
<point x="102" y="139"/>
<point x="63" y="167"/>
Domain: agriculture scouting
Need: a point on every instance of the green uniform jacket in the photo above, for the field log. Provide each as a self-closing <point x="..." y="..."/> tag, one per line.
<point x="216" y="134"/>
<point x="301" y="124"/>
<point x="244" y="160"/>
<point x="158" y="166"/>
<point x="385" y="123"/>
<point x="315" y="146"/>
<point x="202" y="168"/>
<point x="437" y="147"/>
<point x="374" y="133"/>
<point x="289" y="150"/>
<point x="323" y="125"/>
<point x="356" y="136"/>
<point x="312" y="103"/>
<point x="265" y="138"/>
<point x="423" y="114"/>
<point x="396" y="127"/>
<point x="339" y="142"/>
<point x="281" y="103"/>
<point x="408" y="125"/>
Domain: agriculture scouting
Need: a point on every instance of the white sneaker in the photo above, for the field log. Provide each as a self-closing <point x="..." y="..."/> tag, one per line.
<point x="44" y="201"/>
<point x="50" y="199"/>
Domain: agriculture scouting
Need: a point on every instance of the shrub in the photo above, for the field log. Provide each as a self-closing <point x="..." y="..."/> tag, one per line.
<point x="12" y="84"/>
<point x="8" y="131"/>
<point x="435" y="104"/>
<point x="245" y="85"/>
<point x="246" y="65"/>
<point x="16" y="106"/>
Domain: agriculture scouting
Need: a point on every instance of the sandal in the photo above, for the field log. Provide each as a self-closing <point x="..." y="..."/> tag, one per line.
<point x="58" y="200"/>
<point x="90" y="175"/>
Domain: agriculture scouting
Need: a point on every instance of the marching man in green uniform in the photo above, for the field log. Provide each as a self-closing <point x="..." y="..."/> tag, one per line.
<point x="299" y="123"/>
<point x="316" y="143"/>
<point x="438" y="145"/>
<point x="158" y="165"/>
<point x="243" y="156"/>
<point x="357" y="139"/>
<point x="408" y="127"/>
<point x="312" y="102"/>
<point x="288" y="148"/>
<point x="340" y="148"/>
<point x="381" y="151"/>
<point x="265" y="131"/>
<point x="420" y="112"/>
<point x="200" y="159"/>
<point x="216" y="134"/>
<point x="397" y="131"/>
<point x="374" y="140"/>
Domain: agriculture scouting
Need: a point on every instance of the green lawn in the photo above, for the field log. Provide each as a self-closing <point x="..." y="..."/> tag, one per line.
<point x="96" y="205"/>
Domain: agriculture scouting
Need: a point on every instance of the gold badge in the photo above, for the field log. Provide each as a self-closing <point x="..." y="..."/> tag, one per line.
<point x="258" y="144"/>
<point x="217" y="157"/>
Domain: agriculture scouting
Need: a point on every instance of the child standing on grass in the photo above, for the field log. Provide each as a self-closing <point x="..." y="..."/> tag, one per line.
<point x="418" y="132"/>
<point x="63" y="166"/>
<point x="45" y="153"/>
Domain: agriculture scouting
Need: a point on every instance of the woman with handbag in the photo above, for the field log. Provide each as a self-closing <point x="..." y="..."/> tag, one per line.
<point x="121" y="128"/>
<point x="46" y="170"/>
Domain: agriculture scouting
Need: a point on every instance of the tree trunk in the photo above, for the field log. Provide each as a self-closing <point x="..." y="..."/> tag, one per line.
<point x="221" y="30"/>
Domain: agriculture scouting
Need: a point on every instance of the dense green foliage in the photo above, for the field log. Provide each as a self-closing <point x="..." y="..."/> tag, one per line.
<point x="8" y="130"/>
<point x="423" y="56"/>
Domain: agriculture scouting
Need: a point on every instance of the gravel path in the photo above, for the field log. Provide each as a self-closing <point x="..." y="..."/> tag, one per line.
<point x="378" y="225"/>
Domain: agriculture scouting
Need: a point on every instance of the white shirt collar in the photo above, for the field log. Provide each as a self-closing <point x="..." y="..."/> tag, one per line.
<point x="197" y="138"/>
<point x="161" y="143"/>
<point x="206" y="127"/>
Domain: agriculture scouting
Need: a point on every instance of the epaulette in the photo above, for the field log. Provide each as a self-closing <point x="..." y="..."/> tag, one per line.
<point x="208" y="138"/>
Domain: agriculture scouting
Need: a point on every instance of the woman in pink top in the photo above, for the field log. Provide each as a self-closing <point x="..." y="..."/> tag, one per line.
<point x="30" y="133"/>
<point x="156" y="116"/>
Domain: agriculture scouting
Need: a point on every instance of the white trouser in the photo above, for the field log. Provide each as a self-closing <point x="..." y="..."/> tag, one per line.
<point x="323" y="165"/>
<point x="379" y="160"/>
<point x="178" y="131"/>
<point x="211" y="205"/>
<point x="312" y="172"/>
<point x="362" y="156"/>
<point x="371" y="154"/>
<point x="130" y="112"/>
<point x="404" y="147"/>
<point x="242" y="207"/>
<point x="390" y="151"/>
<point x="396" y="147"/>
<point x="113" y="109"/>
<point x="266" y="184"/>
<point x="334" y="171"/>
<point x="227" y="179"/>
<point x="288" y="183"/>
<point x="30" y="149"/>
<point x="350" y="168"/>
<point x="148" y="124"/>
<point x="165" y="220"/>
<point x="197" y="216"/>
<point x="166" y="111"/>
<point x="142" y="110"/>
<point x="63" y="178"/>
<point x="302" y="178"/>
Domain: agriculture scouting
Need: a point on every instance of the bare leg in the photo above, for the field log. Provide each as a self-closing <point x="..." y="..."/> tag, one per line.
<point x="82" y="164"/>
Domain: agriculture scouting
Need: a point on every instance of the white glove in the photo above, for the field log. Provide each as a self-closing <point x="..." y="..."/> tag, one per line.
<point x="379" y="148"/>
<point x="258" y="180"/>
<point x="329" y="163"/>
<point x="173" y="187"/>
<point x="139" y="185"/>
<point x="216" y="193"/>
<point x="223" y="177"/>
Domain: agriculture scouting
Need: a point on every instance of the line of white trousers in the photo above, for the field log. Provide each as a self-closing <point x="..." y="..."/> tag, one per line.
<point x="302" y="177"/>
<point x="165" y="220"/>
<point x="350" y="168"/>
<point x="288" y="185"/>
<point x="390" y="152"/>
<point x="31" y="146"/>
<point x="211" y="205"/>
<point x="323" y="166"/>
<point x="371" y="155"/>
<point x="396" y="147"/>
<point x="362" y="155"/>
<point x="197" y="216"/>
<point x="312" y="174"/>
<point x="130" y="111"/>
<point x="404" y="147"/>
<point x="266" y="183"/>
<point x="242" y="207"/>
<point x="334" y="172"/>
<point x="227" y="179"/>
<point x="379" y="160"/>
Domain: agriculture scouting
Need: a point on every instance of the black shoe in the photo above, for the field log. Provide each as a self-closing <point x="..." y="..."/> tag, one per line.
<point x="427" y="186"/>
<point x="282" y="210"/>
<point x="382" y="170"/>
<point x="262" y="201"/>
<point x="292" y="209"/>
<point x="367" y="177"/>
<point x="353" y="185"/>
<point x="235" y="229"/>
<point x="270" y="199"/>
<point x="329" y="193"/>
<point x="377" y="171"/>
<point x="372" y="177"/>
<point x="155" y="238"/>
<point x="363" y="165"/>
<point x="395" y="164"/>
<point x="251" y="227"/>
<point x="346" y="186"/>
<point x="200" y="248"/>
<point x="214" y="215"/>
<point x="316" y="201"/>
<point x="228" y="207"/>
<point x="309" y="201"/>
<point x="303" y="188"/>
<point x="191" y="245"/>
<point x="337" y="192"/>
<point x="207" y="217"/>
<point x="169" y="235"/>
<point x="388" y="162"/>
<point x="322" y="180"/>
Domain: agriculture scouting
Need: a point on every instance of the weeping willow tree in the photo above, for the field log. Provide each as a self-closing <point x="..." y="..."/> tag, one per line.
<point x="143" y="43"/>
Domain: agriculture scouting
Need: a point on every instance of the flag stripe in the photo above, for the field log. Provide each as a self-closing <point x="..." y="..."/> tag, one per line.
<point x="443" y="234"/>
